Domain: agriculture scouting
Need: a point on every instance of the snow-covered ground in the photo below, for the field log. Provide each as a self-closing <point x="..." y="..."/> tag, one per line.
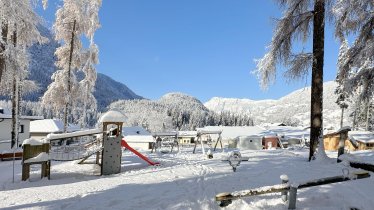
<point x="184" y="181"/>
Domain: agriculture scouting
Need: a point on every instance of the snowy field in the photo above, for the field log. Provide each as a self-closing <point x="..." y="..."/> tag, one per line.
<point x="184" y="181"/>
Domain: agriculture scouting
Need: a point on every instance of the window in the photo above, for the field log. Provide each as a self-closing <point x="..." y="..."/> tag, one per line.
<point x="21" y="129"/>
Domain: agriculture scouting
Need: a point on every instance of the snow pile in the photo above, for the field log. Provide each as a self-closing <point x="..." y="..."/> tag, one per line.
<point x="33" y="141"/>
<point x="39" y="158"/>
<point x="112" y="116"/>
<point x="53" y="136"/>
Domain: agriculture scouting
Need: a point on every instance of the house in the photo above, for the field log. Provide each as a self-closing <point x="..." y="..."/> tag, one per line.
<point x="6" y="127"/>
<point x="39" y="129"/>
<point x="353" y="140"/>
<point x="230" y="134"/>
<point x="186" y="137"/>
<point x="289" y="135"/>
<point x="360" y="140"/>
<point x="138" y="137"/>
<point x="276" y="134"/>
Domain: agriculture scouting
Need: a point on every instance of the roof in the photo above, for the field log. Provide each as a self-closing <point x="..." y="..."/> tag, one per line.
<point x="50" y="126"/>
<point x="231" y="132"/>
<point x="137" y="134"/>
<point x="9" y="116"/>
<point x="187" y="133"/>
<point x="361" y="136"/>
<point x="288" y="132"/>
<point x="136" y="130"/>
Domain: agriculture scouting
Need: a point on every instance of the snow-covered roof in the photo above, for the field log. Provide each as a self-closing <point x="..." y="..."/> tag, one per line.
<point x="361" y="136"/>
<point x="139" y="139"/>
<point x="137" y="134"/>
<point x="50" y="126"/>
<point x="135" y="130"/>
<point x="9" y="116"/>
<point x="187" y="133"/>
<point x="288" y="131"/>
<point x="112" y="116"/>
<point x="231" y="132"/>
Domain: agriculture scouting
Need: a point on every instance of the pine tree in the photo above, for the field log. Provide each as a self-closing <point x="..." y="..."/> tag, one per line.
<point x="356" y="70"/>
<point x="299" y="16"/>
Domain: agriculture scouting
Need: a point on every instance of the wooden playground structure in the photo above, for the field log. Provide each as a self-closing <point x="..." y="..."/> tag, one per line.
<point x="106" y="145"/>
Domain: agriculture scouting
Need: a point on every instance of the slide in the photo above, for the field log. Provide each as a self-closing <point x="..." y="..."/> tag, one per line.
<point x="124" y="144"/>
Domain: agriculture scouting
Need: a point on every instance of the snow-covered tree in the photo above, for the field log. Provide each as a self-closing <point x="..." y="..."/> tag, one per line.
<point x="90" y="60"/>
<point x="356" y="62"/>
<point x="300" y="18"/>
<point x="18" y="24"/>
<point x="339" y="91"/>
<point x="62" y="95"/>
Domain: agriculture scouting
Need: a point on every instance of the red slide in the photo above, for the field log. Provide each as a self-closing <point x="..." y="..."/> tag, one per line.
<point x="124" y="144"/>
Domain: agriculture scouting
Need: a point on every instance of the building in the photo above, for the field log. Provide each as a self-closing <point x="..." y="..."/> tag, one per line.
<point x="39" y="129"/>
<point x="277" y="134"/>
<point x="6" y="128"/>
<point x="354" y="140"/>
<point x="360" y="140"/>
<point x="138" y="137"/>
<point x="187" y="137"/>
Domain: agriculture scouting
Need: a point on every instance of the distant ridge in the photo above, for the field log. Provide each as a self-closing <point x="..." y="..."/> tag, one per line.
<point x="292" y="108"/>
<point x="42" y="67"/>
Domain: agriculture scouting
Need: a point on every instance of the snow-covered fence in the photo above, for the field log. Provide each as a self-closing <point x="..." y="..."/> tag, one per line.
<point x="226" y="199"/>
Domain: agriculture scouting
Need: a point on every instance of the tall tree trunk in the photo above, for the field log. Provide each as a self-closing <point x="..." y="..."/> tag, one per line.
<point x="341" y="117"/>
<point x="69" y="72"/>
<point x="4" y="34"/>
<point x="367" y="123"/>
<point x="316" y="132"/>
<point x="14" y="100"/>
<point x="356" y="112"/>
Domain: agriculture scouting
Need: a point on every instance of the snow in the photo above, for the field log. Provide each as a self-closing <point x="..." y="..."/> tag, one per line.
<point x="52" y="136"/>
<point x="112" y="116"/>
<point x="139" y="139"/>
<point x="33" y="141"/>
<point x="362" y="136"/>
<point x="135" y="130"/>
<point x="39" y="158"/>
<point x="231" y="132"/>
<point x="184" y="181"/>
<point x="50" y="126"/>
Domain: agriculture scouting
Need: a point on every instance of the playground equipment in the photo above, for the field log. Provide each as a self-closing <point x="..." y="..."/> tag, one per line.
<point x="127" y="146"/>
<point x="74" y="146"/>
<point x="107" y="147"/>
<point x="165" y="142"/>
<point x="112" y="135"/>
<point x="285" y="188"/>
<point x="234" y="159"/>
<point x="35" y="153"/>
<point x="199" y="139"/>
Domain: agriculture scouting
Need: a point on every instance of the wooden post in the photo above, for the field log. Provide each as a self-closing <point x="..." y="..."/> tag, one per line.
<point x="343" y="137"/>
<point x="293" y="196"/>
<point x="285" y="180"/>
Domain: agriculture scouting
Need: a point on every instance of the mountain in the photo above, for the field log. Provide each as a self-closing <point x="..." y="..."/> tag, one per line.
<point x="293" y="108"/>
<point x="174" y="111"/>
<point x="42" y="67"/>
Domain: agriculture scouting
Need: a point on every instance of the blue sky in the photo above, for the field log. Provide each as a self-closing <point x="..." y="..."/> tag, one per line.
<point x="201" y="48"/>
